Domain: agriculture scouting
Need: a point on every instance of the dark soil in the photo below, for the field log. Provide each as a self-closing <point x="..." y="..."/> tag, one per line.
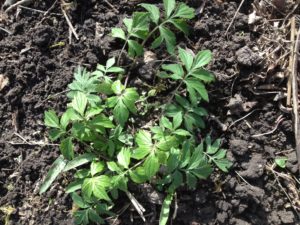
<point x="38" y="74"/>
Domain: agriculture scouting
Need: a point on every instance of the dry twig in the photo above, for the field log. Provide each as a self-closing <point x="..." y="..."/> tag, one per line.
<point x="16" y="5"/>
<point x="69" y="23"/>
<point x="237" y="11"/>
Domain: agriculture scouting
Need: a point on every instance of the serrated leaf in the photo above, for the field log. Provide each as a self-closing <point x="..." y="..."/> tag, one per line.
<point x="69" y="115"/>
<point x="51" y="119"/>
<point x="78" y="201"/>
<point x="173" y="160"/>
<point x="202" y="172"/>
<point x="67" y="148"/>
<point x="74" y="186"/>
<point x="157" y="42"/>
<point x="144" y="141"/>
<point x="95" y="217"/>
<point x="212" y="149"/>
<point x="93" y="111"/>
<point x="135" y="49"/>
<point x="177" y="120"/>
<point x="115" y="70"/>
<point x="202" y="59"/>
<point x="96" y="186"/>
<point x="184" y="11"/>
<point x="128" y="23"/>
<point x="121" y="113"/>
<point x="112" y="166"/>
<point x="191" y="180"/>
<point x="169" y="38"/>
<point x="117" y="87"/>
<point x="177" y="181"/>
<point x="175" y="69"/>
<point x="195" y="85"/>
<point x="223" y="164"/>
<point x="165" y="210"/>
<point x="54" y="134"/>
<point x="102" y="121"/>
<point x="118" y="33"/>
<point x="151" y="166"/>
<point x="124" y="157"/>
<point x="129" y="98"/>
<point x="186" y="58"/>
<point x="153" y="10"/>
<point x="182" y="132"/>
<point x="79" y="161"/>
<point x="203" y="75"/>
<point x="169" y="6"/>
<point x="138" y="175"/>
<point x="165" y="122"/>
<point x="181" y="25"/>
<point x="56" y="168"/>
<point x="96" y="167"/>
<point x="167" y="143"/>
<point x="79" y="103"/>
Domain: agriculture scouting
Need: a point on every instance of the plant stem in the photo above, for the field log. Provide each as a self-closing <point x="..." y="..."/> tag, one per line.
<point x="122" y="50"/>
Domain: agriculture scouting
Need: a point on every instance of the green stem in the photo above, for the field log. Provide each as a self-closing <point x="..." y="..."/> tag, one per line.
<point x="122" y="50"/>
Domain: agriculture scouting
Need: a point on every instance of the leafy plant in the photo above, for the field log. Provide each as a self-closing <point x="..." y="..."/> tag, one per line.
<point x="138" y="27"/>
<point x="105" y="152"/>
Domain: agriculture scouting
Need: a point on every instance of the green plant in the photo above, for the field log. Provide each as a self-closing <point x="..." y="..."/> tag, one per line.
<point x="112" y="148"/>
<point x="139" y="27"/>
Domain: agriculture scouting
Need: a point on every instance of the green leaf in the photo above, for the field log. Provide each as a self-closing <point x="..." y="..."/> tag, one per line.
<point x="165" y="122"/>
<point x="212" y="149"/>
<point x="130" y="96"/>
<point x="78" y="201"/>
<point x="56" y="168"/>
<point x="124" y="157"/>
<point x="97" y="167"/>
<point x="95" y="217"/>
<point x="165" y="210"/>
<point x="67" y="148"/>
<point x="177" y="120"/>
<point x="173" y="160"/>
<point x="181" y="25"/>
<point x="184" y="11"/>
<point x="195" y="85"/>
<point x="117" y="87"/>
<point x="166" y="143"/>
<point x="182" y="132"/>
<point x="169" y="6"/>
<point x="153" y="10"/>
<point x="169" y="38"/>
<point x="191" y="180"/>
<point x="186" y="58"/>
<point x="79" y="161"/>
<point x="135" y="49"/>
<point x="202" y="172"/>
<point x="223" y="164"/>
<point x="281" y="161"/>
<point x="203" y="75"/>
<point x="69" y="115"/>
<point x="121" y="113"/>
<point x="112" y="166"/>
<point x="51" y="119"/>
<point x="81" y="217"/>
<point x="115" y="69"/>
<point x="118" y="33"/>
<point x="54" y="134"/>
<point x="138" y="175"/>
<point x="79" y="103"/>
<point x="128" y="23"/>
<point x="96" y="186"/>
<point x="93" y="111"/>
<point x="157" y="42"/>
<point x="74" y="186"/>
<point x="175" y="69"/>
<point x="151" y="166"/>
<point x="110" y="62"/>
<point x="202" y="59"/>
<point x="102" y="121"/>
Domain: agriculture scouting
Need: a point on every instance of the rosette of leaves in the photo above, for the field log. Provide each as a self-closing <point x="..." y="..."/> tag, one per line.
<point x="175" y="14"/>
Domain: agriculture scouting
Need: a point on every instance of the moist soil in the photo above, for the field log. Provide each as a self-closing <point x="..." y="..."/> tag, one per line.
<point x="39" y="72"/>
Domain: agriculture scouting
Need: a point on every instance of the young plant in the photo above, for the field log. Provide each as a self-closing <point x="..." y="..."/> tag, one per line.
<point x="138" y="27"/>
<point x="111" y="153"/>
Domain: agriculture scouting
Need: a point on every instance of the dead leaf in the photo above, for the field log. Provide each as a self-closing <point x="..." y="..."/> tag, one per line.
<point x="3" y="81"/>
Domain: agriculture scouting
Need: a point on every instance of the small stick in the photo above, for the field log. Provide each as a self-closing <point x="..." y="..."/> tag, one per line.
<point x="5" y="30"/>
<point x="139" y="208"/>
<point x="243" y="179"/>
<point x="295" y="97"/>
<point x="289" y="83"/>
<point x="69" y="23"/>
<point x="240" y="6"/>
<point x="16" y="5"/>
<point x="31" y="9"/>
<point x="238" y="120"/>
<point x="111" y="6"/>
<point x="51" y="7"/>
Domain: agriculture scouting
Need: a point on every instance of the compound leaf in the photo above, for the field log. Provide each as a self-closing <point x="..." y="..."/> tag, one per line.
<point x="153" y="10"/>
<point x="51" y="119"/>
<point x="67" y="148"/>
<point x="118" y="33"/>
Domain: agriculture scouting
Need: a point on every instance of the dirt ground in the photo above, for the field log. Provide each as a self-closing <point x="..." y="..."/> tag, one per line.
<point x="39" y="72"/>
